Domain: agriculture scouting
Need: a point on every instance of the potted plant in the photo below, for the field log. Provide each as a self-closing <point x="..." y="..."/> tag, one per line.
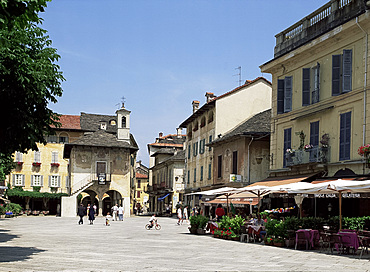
<point x="194" y="223"/>
<point x="279" y="242"/>
<point x="36" y="164"/>
<point x="203" y="220"/>
<point x="307" y="147"/>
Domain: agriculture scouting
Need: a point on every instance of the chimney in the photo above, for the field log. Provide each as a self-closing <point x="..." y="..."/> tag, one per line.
<point x="179" y="132"/>
<point x="209" y="96"/>
<point x="160" y="134"/>
<point x="195" y="105"/>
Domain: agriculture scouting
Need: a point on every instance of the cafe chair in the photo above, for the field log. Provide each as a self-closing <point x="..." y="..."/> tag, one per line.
<point x="364" y="244"/>
<point x="301" y="239"/>
<point x="335" y="239"/>
<point x="324" y="241"/>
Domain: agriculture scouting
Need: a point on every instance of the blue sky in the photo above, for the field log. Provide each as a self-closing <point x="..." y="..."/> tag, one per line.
<point x="161" y="54"/>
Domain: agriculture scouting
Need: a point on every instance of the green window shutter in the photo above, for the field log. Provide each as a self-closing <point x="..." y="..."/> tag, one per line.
<point x="335" y="77"/>
<point x="306" y="86"/>
<point x="280" y="96"/>
<point x="209" y="171"/>
<point x="288" y="85"/>
<point x="347" y="71"/>
<point x="189" y="151"/>
<point x="210" y="141"/>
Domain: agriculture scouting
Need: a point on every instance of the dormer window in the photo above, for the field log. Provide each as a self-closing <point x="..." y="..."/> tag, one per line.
<point x="103" y="125"/>
<point x="112" y="122"/>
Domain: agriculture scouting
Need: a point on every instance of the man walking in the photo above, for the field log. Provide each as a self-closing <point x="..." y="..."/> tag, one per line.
<point x="120" y="213"/>
<point x="179" y="215"/>
<point x="81" y="213"/>
<point x="115" y="210"/>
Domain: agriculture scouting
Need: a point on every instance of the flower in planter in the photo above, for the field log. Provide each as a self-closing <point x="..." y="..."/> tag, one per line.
<point x="307" y="147"/>
<point x="364" y="149"/>
<point x="19" y="163"/>
<point x="55" y="164"/>
<point x="290" y="151"/>
<point x="36" y="163"/>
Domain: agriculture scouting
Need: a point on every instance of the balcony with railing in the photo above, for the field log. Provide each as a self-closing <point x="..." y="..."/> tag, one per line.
<point x="326" y="18"/>
<point x="313" y="155"/>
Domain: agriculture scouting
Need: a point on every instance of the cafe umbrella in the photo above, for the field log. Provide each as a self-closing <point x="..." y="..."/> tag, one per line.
<point x="338" y="186"/>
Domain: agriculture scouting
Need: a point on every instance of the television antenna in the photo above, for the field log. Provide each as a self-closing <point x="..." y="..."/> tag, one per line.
<point x="239" y="74"/>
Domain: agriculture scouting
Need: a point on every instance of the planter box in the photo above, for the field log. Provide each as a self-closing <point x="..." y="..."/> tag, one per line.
<point x="192" y="230"/>
<point x="279" y="244"/>
<point x="201" y="231"/>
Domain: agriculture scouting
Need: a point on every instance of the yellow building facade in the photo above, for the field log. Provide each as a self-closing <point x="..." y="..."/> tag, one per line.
<point x="320" y="92"/>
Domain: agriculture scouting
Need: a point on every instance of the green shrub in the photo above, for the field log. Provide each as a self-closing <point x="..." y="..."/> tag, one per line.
<point x="13" y="207"/>
<point x="2" y="210"/>
<point x="355" y="223"/>
<point x="198" y="221"/>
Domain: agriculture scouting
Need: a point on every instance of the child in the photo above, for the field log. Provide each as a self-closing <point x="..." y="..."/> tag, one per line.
<point x="152" y="220"/>
<point x="107" y="218"/>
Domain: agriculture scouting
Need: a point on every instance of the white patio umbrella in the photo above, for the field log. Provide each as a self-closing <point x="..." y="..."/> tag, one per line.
<point x="258" y="190"/>
<point x="226" y="191"/>
<point x="336" y="186"/>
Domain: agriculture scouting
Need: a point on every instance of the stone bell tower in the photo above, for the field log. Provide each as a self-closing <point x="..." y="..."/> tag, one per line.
<point x="123" y="121"/>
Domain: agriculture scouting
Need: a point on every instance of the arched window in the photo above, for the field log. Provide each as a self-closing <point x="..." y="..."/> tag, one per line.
<point x="123" y="121"/>
<point x="210" y="117"/>
<point x="203" y="122"/>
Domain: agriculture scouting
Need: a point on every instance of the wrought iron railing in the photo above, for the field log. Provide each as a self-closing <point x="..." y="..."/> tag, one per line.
<point x="313" y="155"/>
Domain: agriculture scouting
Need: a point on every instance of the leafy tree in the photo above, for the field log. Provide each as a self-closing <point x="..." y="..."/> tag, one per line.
<point x="29" y="77"/>
<point x="6" y="166"/>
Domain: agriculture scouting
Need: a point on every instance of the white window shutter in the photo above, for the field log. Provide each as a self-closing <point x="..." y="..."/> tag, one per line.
<point x="13" y="180"/>
<point x="58" y="181"/>
<point x="22" y="180"/>
<point x="32" y="180"/>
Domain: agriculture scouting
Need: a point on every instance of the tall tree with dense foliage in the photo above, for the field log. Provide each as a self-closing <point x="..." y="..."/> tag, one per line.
<point x="29" y="77"/>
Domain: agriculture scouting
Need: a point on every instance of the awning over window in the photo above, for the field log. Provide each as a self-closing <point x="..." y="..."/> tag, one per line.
<point x="163" y="197"/>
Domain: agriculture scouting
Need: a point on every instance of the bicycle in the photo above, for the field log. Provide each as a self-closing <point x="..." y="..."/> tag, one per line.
<point x="155" y="225"/>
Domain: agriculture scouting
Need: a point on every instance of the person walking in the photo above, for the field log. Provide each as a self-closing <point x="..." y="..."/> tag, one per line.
<point x="120" y="213"/>
<point x="91" y="215"/>
<point x="81" y="212"/>
<point x="185" y="215"/>
<point x="179" y="215"/>
<point x="115" y="211"/>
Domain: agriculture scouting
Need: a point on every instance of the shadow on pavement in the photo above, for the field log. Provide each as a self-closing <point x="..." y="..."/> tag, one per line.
<point x="13" y="254"/>
<point x="5" y="237"/>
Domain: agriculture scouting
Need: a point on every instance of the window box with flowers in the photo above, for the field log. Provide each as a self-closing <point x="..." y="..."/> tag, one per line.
<point x="36" y="164"/>
<point x="290" y="152"/>
<point x="20" y="163"/>
<point x="55" y="164"/>
<point x="307" y="147"/>
<point x="364" y="151"/>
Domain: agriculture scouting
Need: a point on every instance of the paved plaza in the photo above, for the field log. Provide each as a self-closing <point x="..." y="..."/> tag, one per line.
<point x="59" y="244"/>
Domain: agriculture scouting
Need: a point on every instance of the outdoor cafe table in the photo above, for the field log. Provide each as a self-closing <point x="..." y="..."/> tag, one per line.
<point x="351" y="240"/>
<point x="311" y="235"/>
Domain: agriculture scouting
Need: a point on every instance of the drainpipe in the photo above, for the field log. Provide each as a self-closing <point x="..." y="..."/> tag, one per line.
<point x="249" y="162"/>
<point x="365" y="78"/>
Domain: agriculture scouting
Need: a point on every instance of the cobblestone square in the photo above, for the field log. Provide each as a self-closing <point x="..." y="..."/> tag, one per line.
<point x="36" y="243"/>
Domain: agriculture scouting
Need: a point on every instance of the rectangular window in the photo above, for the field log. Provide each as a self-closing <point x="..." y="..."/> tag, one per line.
<point x="219" y="166"/>
<point x="201" y="172"/>
<point x="54" y="157"/>
<point x="345" y="136"/>
<point x="210" y="141"/>
<point x="54" y="181"/>
<point x="342" y="72"/>
<point x="235" y="163"/>
<point x="63" y="140"/>
<point x="37" y="157"/>
<point x="311" y="85"/>
<point x="18" y="156"/>
<point x="195" y="149"/>
<point x="37" y="180"/>
<point x="202" y="145"/>
<point x="314" y="141"/>
<point x="209" y="171"/>
<point x="287" y="143"/>
<point x="188" y="176"/>
<point x="101" y="168"/>
<point x="284" y="95"/>
<point x="18" y="180"/>
<point x="195" y="174"/>
<point x="139" y="183"/>
<point x="189" y="151"/>
<point x="138" y="194"/>
<point x="52" y="139"/>
<point x="315" y="94"/>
